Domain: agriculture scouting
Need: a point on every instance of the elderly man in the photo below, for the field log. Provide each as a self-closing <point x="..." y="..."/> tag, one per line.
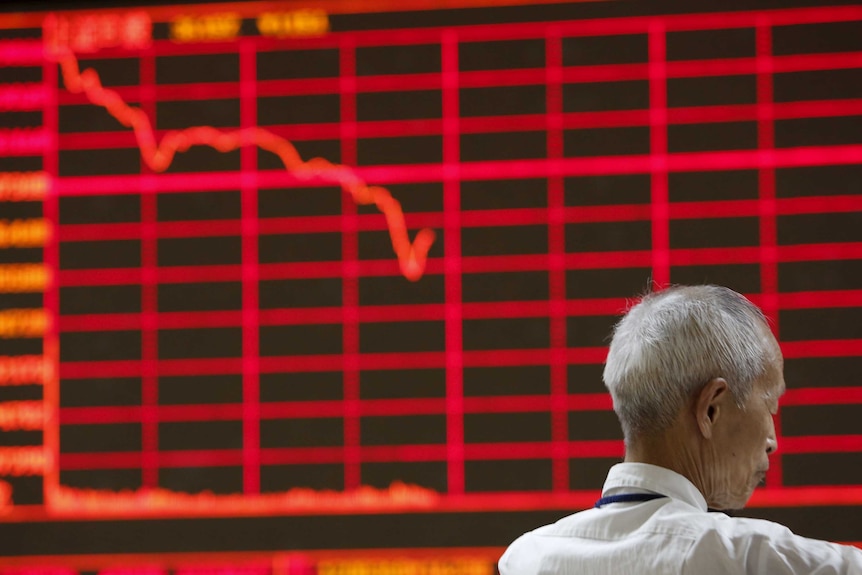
<point x="695" y="375"/>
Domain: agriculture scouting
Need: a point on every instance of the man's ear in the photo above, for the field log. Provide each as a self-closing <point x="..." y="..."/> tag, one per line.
<point x="709" y="403"/>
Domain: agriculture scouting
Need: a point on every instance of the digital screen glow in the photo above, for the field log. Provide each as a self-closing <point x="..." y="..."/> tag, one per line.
<point x="258" y="261"/>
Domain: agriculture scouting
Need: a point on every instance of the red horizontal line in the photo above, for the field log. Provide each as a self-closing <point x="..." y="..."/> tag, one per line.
<point x="472" y="218"/>
<point x="102" y="415"/>
<point x="484" y="451"/>
<point x="824" y="348"/>
<point x="721" y="255"/>
<point x="511" y="77"/>
<point x="820" y="299"/>
<point x="111" y="460"/>
<point x="508" y="404"/>
<point x="490" y="78"/>
<point x="100" y="322"/>
<point x="821" y="444"/>
<point x="410" y="312"/>
<point x="783" y="158"/>
<point x="508" y="451"/>
<point x="820" y="252"/>
<point x="818" y="205"/>
<point x="282" y="410"/>
<point x="216" y="228"/>
<point x="470" y="264"/>
<point x="397" y="82"/>
<point x="508" y="123"/>
<point x="404" y="453"/>
<point x="822" y="396"/>
<point x="132" y="368"/>
<point x="199" y="458"/>
<point x="715" y="67"/>
<point x="603" y="73"/>
<point x="184" y="229"/>
<point x="711" y="114"/>
<point x="586" y="355"/>
<point x="559" y="167"/>
<point x="173" y="274"/>
<point x="817" y="108"/>
<point x="488" y="125"/>
<point x="278" y="456"/>
<point x="825" y="495"/>
<point x="815" y="62"/>
<point x="403" y="360"/>
<point x="405" y="406"/>
<point x="608" y="119"/>
<point x="714" y="209"/>
<point x="589" y="402"/>
<point x="274" y="456"/>
<point x="418" y="360"/>
<point x="291" y="409"/>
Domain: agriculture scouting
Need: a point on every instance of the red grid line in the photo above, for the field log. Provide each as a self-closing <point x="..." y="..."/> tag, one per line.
<point x="435" y="452"/>
<point x="822" y="396"/>
<point x="509" y="123"/>
<point x="764" y="159"/>
<point x="453" y="265"/>
<point x="825" y="348"/>
<point x="471" y="264"/>
<point x="767" y="208"/>
<point x="51" y="301"/>
<point x="681" y="162"/>
<point x="473" y="218"/>
<point x="250" y="299"/>
<point x="298" y="455"/>
<point x="820" y="299"/>
<point x="432" y="81"/>
<point x="149" y="297"/>
<point x="659" y="204"/>
<point x="557" y="276"/>
<point x="367" y="408"/>
<point x="421" y="312"/>
<point x="822" y="444"/>
<point x="349" y="269"/>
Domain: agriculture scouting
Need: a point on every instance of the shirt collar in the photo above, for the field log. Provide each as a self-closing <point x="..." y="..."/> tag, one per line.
<point x="634" y="477"/>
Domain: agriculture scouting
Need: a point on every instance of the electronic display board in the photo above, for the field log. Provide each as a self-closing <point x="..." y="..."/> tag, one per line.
<point x="321" y="261"/>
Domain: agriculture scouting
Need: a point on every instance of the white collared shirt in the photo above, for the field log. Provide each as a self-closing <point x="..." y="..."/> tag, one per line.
<point x="673" y="534"/>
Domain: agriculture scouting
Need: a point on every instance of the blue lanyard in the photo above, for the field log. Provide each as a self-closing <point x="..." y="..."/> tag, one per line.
<point x="628" y="498"/>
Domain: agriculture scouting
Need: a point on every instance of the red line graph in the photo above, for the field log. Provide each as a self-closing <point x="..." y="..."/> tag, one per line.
<point x="136" y="128"/>
<point x="158" y="155"/>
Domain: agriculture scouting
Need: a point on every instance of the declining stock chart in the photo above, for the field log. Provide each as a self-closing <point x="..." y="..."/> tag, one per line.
<point x="271" y="262"/>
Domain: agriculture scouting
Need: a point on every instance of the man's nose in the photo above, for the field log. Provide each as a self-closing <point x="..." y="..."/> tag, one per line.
<point x="771" y="445"/>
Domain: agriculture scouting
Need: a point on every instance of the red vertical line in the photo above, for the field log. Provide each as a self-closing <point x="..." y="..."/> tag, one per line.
<point x="350" y="273"/>
<point x="768" y="204"/>
<point x="149" y="292"/>
<point x="452" y="265"/>
<point x="250" y="333"/>
<point x="557" y="262"/>
<point x="658" y="154"/>
<point x="51" y="261"/>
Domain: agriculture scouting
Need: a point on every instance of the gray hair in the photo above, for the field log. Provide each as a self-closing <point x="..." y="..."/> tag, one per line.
<point x="672" y="342"/>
